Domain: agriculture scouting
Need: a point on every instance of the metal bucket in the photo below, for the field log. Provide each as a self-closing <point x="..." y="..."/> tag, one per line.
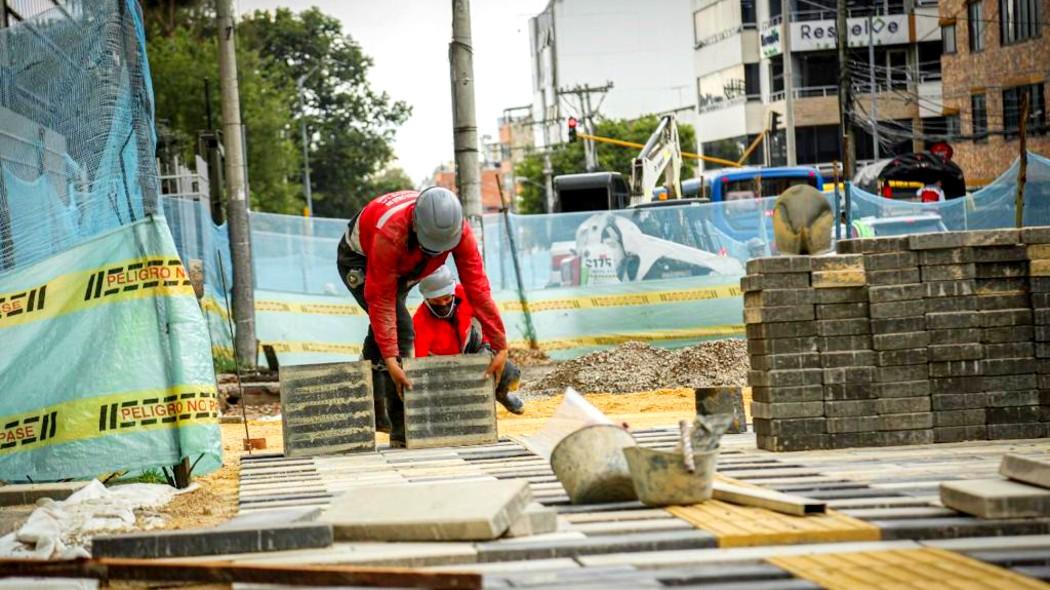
<point x="590" y="464"/>
<point x="661" y="479"/>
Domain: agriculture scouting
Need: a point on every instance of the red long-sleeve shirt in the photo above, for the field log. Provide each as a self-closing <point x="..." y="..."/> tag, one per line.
<point x="383" y="234"/>
<point x="444" y="336"/>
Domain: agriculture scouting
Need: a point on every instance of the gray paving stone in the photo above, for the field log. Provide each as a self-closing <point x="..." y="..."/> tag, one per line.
<point x="906" y="421"/>
<point x="890" y="261"/>
<point x="661" y="541"/>
<point x="901" y="373"/>
<point x="958" y="401"/>
<point x="785" y="362"/>
<point x="922" y="529"/>
<point x="904" y="276"/>
<point x="806" y="393"/>
<point x="992" y="237"/>
<point x="1016" y="431"/>
<point x="844" y="409"/>
<point x="899" y="513"/>
<point x="955" y="418"/>
<point x="948" y="272"/>
<point x="892" y="438"/>
<point x="906" y="356"/>
<point x="1009" y="350"/>
<point x="841" y="311"/>
<point x="327" y="408"/>
<point x="800" y="442"/>
<point x="1035" y="235"/>
<point x="955" y="385"/>
<point x="849" y="391"/>
<point x="770" y="330"/>
<point x="1003" y="301"/>
<point x="778" y="297"/>
<point x="850" y="327"/>
<point x="872" y="245"/>
<point x="910" y="293"/>
<point x="1005" y="317"/>
<point x="955" y="369"/>
<point x="1012" y="557"/>
<point x="536" y="519"/>
<point x="948" y="304"/>
<point x="451" y="402"/>
<point x="851" y="424"/>
<point x="900" y="341"/>
<point x="902" y="389"/>
<point x="1013" y="415"/>
<point x="626" y="527"/>
<point x="831" y="360"/>
<point x="842" y="295"/>
<point x="911" y="323"/>
<point x="791" y="378"/>
<point x="757" y="346"/>
<point x="446" y="511"/>
<point x="954" y="352"/>
<point x="784" y="313"/>
<point x="1003" y="399"/>
<point x="1001" y="286"/>
<point x="779" y="264"/>
<point x="216" y="541"/>
<point x="1029" y="470"/>
<point x="995" y="498"/>
<point x="1011" y="543"/>
<point x="946" y="256"/>
<point x="951" y="434"/>
<point x="936" y="241"/>
<point x="844" y="343"/>
<point x="1007" y="334"/>
<point x="958" y="336"/>
<point x="903" y="405"/>
<point x="837" y="262"/>
<point x="790" y="427"/>
<point x="950" y="288"/>
<point x="848" y="375"/>
<point x="786" y="410"/>
<point x="1001" y="270"/>
<point x="1014" y="366"/>
<point x="29" y="493"/>
<point x="761" y="282"/>
<point x="1000" y="253"/>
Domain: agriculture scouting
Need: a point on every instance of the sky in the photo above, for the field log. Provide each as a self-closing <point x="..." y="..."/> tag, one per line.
<point x="408" y="41"/>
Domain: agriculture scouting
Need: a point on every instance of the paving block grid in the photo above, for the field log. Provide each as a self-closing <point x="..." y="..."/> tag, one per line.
<point x="879" y="499"/>
<point x="919" y="339"/>
<point x="327" y="409"/>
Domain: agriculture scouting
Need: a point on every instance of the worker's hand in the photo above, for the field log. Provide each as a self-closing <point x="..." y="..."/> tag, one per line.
<point x="495" y="369"/>
<point x="397" y="374"/>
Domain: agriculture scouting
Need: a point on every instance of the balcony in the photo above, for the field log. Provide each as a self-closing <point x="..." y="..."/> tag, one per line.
<point x="805" y="92"/>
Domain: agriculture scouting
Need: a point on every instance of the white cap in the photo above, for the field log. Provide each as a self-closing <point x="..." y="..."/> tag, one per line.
<point x="438" y="284"/>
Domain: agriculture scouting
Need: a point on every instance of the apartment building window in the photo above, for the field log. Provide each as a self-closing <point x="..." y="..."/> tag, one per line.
<point x="774" y="9"/>
<point x="721" y="86"/>
<point x="776" y="74"/>
<point x="979" y="117"/>
<point x="716" y="21"/>
<point x="1012" y="104"/>
<point x="747" y="13"/>
<point x="975" y="25"/>
<point x="1018" y="20"/>
<point x="948" y="38"/>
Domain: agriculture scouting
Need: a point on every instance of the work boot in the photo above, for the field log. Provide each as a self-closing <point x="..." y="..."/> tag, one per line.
<point x="508" y="382"/>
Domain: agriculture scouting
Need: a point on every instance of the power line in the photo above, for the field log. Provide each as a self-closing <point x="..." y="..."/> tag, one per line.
<point x="955" y="16"/>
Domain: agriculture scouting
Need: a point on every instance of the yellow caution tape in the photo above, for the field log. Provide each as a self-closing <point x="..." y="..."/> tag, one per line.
<point x="137" y="278"/>
<point x="118" y="413"/>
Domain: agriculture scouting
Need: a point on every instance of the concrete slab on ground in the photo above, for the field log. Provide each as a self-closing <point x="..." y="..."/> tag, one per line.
<point x="996" y="498"/>
<point x="29" y="493"/>
<point x="446" y="511"/>
<point x="327" y="408"/>
<point x="451" y="403"/>
<point x="1030" y="470"/>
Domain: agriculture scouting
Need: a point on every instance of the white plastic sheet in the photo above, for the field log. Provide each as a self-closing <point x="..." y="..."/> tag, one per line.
<point x="572" y="414"/>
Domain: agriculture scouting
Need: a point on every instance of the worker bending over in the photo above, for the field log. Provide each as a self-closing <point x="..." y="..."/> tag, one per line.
<point x="445" y="325"/>
<point x="392" y="243"/>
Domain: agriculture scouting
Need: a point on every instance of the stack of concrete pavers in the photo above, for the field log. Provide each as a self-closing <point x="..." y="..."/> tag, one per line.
<point x="1008" y="365"/>
<point x="785" y="376"/>
<point x="846" y="355"/>
<point x="1025" y="494"/>
<point x="954" y="329"/>
<point x="1037" y="248"/>
<point x="899" y="337"/>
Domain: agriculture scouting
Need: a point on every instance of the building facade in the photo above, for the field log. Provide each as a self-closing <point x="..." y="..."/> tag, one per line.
<point x="641" y="48"/>
<point x="996" y="53"/>
<point x="739" y="67"/>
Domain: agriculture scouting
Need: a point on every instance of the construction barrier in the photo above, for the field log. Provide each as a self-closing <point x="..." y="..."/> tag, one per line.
<point x="106" y="362"/>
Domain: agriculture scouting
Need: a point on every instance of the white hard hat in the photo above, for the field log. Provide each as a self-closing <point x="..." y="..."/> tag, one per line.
<point x="438" y="284"/>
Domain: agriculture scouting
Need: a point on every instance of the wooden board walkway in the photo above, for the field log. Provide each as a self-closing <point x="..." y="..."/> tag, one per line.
<point x="885" y="522"/>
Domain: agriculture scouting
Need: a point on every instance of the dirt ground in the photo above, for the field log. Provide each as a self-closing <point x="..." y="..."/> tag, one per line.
<point x="215" y="500"/>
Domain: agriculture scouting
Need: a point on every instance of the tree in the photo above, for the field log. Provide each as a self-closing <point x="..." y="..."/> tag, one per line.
<point x="568" y="158"/>
<point x="351" y="125"/>
<point x="180" y="63"/>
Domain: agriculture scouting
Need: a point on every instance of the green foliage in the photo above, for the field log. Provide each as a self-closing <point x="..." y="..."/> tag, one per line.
<point x="568" y="158"/>
<point x="351" y="125"/>
<point x="223" y="361"/>
<point x="147" y="476"/>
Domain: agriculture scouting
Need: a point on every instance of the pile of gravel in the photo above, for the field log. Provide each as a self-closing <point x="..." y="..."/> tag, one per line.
<point x="636" y="366"/>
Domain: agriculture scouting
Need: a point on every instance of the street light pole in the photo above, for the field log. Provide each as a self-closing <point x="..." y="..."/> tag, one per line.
<point x="306" y="152"/>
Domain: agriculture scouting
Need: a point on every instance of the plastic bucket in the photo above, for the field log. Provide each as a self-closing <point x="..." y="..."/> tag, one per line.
<point x="591" y="466"/>
<point x="661" y="479"/>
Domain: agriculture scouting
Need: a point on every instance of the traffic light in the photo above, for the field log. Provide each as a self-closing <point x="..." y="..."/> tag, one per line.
<point x="774" y="122"/>
<point x="572" y="129"/>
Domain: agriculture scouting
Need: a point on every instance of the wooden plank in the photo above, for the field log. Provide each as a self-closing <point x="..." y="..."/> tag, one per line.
<point x="770" y="499"/>
<point x="229" y="573"/>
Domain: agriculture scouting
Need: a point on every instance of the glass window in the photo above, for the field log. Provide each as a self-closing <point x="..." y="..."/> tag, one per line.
<point x="747" y="13"/>
<point x="774" y="9"/>
<point x="1012" y="106"/>
<point x="975" y="24"/>
<point x="751" y="82"/>
<point x="948" y="38"/>
<point x="979" y="116"/>
<point x="1018" y="20"/>
<point x="776" y="73"/>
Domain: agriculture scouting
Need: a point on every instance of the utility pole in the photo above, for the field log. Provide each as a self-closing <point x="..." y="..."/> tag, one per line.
<point x="583" y="96"/>
<point x="874" y="92"/>
<point x="845" y="107"/>
<point x="845" y="96"/>
<point x="237" y="209"/>
<point x="1022" y="168"/>
<point x="307" y="189"/>
<point x="917" y="143"/>
<point x="789" y="85"/>
<point x="464" y="122"/>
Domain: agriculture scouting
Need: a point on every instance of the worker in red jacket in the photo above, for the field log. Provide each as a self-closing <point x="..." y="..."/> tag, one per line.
<point x="445" y="325"/>
<point x="393" y="242"/>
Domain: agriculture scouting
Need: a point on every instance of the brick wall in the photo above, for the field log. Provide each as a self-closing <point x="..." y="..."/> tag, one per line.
<point x="988" y="71"/>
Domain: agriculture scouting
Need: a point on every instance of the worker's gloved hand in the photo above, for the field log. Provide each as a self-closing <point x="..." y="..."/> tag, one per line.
<point x="397" y="374"/>
<point x="495" y="369"/>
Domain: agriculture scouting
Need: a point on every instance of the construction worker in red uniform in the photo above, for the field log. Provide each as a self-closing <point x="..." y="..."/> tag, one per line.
<point x="393" y="242"/>
<point x="445" y="325"/>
